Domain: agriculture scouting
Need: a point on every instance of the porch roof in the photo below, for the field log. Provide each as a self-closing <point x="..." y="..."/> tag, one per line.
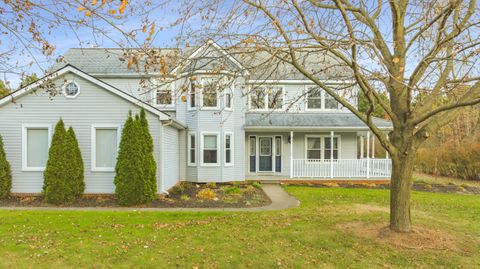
<point x="301" y="121"/>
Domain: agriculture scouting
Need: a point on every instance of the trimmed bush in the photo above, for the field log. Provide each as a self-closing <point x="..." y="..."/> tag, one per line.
<point x="78" y="181"/>
<point x="150" y="164"/>
<point x="134" y="183"/>
<point x="63" y="176"/>
<point x="5" y="173"/>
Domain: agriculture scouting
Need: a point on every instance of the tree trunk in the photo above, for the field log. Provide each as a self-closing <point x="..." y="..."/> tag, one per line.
<point x="401" y="182"/>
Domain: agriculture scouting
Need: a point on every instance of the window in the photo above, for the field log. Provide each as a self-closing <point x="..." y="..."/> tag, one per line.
<point x="228" y="149"/>
<point x="104" y="147"/>
<point x="210" y="87"/>
<point x="314" y="98"/>
<point x="275" y="98"/>
<point x="164" y="95"/>
<point x="278" y="146"/>
<point x="36" y="142"/>
<point x="328" y="148"/>
<point x="319" y="99"/>
<point x="228" y="99"/>
<point x="192" y="96"/>
<point x="264" y="98"/>
<point x="192" y="149"/>
<point x="257" y="99"/>
<point x="314" y="148"/>
<point x="71" y="89"/>
<point x="253" y="146"/>
<point x="210" y="149"/>
<point x="319" y="147"/>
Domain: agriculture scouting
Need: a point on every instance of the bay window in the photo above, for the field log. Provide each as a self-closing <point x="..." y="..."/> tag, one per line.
<point x="210" y="93"/>
<point x="228" y="149"/>
<point x="210" y="149"/>
<point x="192" y="149"/>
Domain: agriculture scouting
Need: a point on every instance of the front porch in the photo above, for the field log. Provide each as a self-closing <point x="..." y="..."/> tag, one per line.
<point x="306" y="155"/>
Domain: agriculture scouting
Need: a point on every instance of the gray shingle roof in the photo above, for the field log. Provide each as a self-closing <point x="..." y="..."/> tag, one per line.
<point x="260" y="64"/>
<point x="333" y="120"/>
<point x="107" y="61"/>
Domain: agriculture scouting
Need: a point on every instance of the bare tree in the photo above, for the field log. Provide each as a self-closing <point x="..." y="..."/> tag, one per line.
<point x="422" y="54"/>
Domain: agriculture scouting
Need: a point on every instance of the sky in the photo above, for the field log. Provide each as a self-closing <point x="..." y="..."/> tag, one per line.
<point x="29" y="61"/>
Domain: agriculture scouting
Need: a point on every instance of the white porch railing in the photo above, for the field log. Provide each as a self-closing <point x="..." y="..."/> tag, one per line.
<point x="344" y="168"/>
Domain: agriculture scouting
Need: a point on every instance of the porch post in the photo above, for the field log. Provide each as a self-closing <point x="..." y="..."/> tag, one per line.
<point x="368" y="154"/>
<point x="361" y="147"/>
<point x="291" y="154"/>
<point x="331" y="154"/>
<point x="373" y="146"/>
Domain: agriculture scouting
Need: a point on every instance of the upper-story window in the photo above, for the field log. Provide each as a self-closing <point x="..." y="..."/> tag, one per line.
<point x="228" y="99"/>
<point x="210" y="92"/>
<point x="192" y="96"/>
<point x="318" y="99"/>
<point x="267" y="98"/>
<point x="164" y="95"/>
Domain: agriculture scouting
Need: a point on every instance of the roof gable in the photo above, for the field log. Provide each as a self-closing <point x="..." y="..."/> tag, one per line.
<point x="71" y="69"/>
<point x="208" y="57"/>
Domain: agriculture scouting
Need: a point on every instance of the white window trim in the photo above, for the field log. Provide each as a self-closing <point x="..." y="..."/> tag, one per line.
<point x="24" y="144"/>
<point x="65" y="92"/>
<point x="217" y="107"/>
<point x="228" y="91"/>
<point x="190" y="134"/>
<point x="202" y="135"/>
<point x="172" y="93"/>
<point x="231" y="148"/>
<point x="322" y="106"/>
<point x="322" y="146"/>
<point x="94" y="167"/>
<point x="264" y="88"/>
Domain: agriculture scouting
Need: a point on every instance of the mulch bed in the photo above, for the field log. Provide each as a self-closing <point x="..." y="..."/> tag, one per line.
<point x="184" y="195"/>
<point x="417" y="186"/>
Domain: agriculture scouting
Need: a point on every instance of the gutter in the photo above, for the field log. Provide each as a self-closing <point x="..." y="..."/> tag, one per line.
<point x="174" y="123"/>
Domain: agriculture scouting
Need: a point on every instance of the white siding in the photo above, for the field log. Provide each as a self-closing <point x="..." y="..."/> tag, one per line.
<point x="171" y="157"/>
<point x="94" y="105"/>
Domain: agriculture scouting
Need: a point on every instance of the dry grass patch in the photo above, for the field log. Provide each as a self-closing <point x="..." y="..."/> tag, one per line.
<point x="419" y="238"/>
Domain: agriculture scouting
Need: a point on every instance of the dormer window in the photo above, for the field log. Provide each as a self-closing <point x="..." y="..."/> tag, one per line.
<point x="71" y="89"/>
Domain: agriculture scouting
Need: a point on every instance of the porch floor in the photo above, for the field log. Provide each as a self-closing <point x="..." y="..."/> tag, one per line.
<point x="277" y="178"/>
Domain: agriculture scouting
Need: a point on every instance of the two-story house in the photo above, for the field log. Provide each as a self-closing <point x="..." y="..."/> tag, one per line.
<point x="213" y="118"/>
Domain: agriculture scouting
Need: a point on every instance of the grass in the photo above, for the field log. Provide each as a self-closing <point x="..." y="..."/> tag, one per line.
<point x="444" y="180"/>
<point x="304" y="237"/>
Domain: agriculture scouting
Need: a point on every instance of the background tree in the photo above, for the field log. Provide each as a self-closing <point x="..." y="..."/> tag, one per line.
<point x="3" y="89"/>
<point x="28" y="79"/>
<point x="133" y="185"/>
<point x="401" y="48"/>
<point x="5" y="173"/>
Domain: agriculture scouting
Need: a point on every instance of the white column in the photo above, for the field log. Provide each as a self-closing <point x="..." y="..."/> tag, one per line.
<point x="373" y="146"/>
<point x="331" y="154"/>
<point x="368" y="154"/>
<point x="361" y="147"/>
<point x="291" y="154"/>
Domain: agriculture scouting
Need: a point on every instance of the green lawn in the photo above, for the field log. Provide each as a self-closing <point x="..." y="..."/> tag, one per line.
<point x="305" y="237"/>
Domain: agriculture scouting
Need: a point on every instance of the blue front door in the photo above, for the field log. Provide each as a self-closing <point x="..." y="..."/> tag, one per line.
<point x="266" y="156"/>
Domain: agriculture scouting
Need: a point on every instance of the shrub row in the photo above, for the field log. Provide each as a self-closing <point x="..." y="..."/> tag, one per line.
<point x="460" y="161"/>
<point x="135" y="178"/>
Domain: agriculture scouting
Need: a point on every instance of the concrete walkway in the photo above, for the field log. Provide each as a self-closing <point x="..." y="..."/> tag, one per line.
<point x="279" y="197"/>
